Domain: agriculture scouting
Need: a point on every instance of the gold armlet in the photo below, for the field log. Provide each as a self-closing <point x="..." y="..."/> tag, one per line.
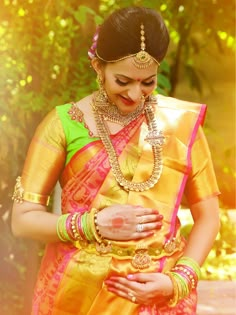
<point x="19" y="195"/>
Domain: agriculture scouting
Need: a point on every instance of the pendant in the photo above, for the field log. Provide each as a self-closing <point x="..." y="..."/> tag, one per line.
<point x="141" y="259"/>
<point x="155" y="137"/>
<point x="171" y="245"/>
<point x="103" y="248"/>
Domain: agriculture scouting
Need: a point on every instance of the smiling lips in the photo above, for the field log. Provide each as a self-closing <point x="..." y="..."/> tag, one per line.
<point x="126" y="101"/>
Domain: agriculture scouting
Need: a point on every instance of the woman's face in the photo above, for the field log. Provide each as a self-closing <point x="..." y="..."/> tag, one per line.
<point x="125" y="84"/>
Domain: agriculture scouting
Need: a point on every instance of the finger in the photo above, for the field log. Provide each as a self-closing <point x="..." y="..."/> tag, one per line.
<point x="152" y="226"/>
<point x="117" y="285"/>
<point x="145" y="211"/>
<point x="122" y="283"/>
<point x="149" y="218"/>
<point x="120" y="290"/>
<point x="132" y="297"/>
<point x="147" y="227"/>
<point x="127" y="295"/>
<point x="140" y="278"/>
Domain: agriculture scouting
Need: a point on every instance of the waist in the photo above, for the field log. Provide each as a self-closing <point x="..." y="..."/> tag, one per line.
<point x="140" y="249"/>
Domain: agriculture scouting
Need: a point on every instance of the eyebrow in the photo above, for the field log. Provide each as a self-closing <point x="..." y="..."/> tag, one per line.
<point x="124" y="76"/>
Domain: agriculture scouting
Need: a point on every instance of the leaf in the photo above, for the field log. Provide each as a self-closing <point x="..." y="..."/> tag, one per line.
<point x="164" y="81"/>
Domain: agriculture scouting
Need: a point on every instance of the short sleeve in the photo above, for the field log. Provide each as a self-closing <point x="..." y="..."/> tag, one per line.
<point x="201" y="183"/>
<point x="45" y="158"/>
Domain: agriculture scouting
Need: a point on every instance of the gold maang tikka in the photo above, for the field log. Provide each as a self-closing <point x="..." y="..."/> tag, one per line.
<point x="141" y="59"/>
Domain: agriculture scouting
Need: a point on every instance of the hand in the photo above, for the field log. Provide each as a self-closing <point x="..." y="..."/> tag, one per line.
<point x="142" y="288"/>
<point x="127" y="222"/>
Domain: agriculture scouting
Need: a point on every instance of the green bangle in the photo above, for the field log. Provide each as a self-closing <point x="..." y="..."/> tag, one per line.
<point x="61" y="228"/>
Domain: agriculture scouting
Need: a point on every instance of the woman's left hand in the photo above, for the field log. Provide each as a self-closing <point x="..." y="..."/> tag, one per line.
<point x="142" y="288"/>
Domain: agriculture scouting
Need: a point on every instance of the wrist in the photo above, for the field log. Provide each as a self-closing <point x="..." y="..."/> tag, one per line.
<point x="184" y="277"/>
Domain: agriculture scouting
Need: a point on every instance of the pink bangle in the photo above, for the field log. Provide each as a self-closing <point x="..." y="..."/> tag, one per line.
<point x="80" y="228"/>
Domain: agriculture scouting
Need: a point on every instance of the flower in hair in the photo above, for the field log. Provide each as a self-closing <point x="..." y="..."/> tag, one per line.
<point x="92" y="49"/>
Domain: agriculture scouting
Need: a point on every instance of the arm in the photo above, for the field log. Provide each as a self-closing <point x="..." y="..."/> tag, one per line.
<point x="44" y="163"/>
<point x="32" y="220"/>
<point x="205" y="228"/>
<point x="201" y="191"/>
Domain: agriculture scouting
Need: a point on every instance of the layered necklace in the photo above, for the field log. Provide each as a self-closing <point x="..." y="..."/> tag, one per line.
<point x="154" y="137"/>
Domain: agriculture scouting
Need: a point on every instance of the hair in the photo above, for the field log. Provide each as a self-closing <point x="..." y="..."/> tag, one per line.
<point x="119" y="35"/>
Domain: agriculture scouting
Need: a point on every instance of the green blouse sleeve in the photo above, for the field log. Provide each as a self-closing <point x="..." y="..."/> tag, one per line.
<point x="76" y="132"/>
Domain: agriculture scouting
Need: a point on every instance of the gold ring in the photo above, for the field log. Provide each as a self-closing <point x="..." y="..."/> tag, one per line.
<point x="133" y="299"/>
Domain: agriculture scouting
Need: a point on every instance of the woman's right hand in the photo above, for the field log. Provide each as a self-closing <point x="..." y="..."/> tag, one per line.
<point x="128" y="222"/>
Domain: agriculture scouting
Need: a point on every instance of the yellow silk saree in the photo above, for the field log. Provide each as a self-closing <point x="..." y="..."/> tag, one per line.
<point x="71" y="277"/>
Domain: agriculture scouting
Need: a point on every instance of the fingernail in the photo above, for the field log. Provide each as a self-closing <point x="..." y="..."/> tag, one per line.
<point x="130" y="276"/>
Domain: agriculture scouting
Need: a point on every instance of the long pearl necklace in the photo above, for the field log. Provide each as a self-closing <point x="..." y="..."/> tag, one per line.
<point x="154" y="137"/>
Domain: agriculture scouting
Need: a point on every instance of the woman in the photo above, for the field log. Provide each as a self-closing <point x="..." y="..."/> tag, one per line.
<point x="124" y="158"/>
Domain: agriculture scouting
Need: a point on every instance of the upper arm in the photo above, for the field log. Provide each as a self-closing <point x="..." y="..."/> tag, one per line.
<point x="201" y="183"/>
<point x="206" y="208"/>
<point x="45" y="158"/>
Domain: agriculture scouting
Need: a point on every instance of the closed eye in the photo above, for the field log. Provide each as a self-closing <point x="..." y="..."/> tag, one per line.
<point x="121" y="83"/>
<point x="148" y="83"/>
<point x="124" y="83"/>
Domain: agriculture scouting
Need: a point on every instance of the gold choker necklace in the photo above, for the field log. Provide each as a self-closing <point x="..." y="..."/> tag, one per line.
<point x="154" y="137"/>
<point x="111" y="112"/>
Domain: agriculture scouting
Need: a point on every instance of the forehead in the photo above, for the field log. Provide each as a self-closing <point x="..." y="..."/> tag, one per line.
<point x="127" y="68"/>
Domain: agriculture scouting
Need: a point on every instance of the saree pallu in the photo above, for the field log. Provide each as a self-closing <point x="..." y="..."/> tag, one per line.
<point x="71" y="277"/>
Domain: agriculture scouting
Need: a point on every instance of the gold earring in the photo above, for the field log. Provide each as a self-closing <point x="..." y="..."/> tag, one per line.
<point x="101" y="98"/>
<point x="99" y="81"/>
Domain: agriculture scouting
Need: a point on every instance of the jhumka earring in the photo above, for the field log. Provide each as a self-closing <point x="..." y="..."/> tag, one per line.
<point x="101" y="98"/>
<point x="142" y="59"/>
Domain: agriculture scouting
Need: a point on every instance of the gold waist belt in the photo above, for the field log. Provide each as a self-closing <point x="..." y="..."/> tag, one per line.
<point x="140" y="254"/>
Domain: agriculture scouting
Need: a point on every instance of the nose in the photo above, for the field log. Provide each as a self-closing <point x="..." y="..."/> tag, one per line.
<point x="135" y="93"/>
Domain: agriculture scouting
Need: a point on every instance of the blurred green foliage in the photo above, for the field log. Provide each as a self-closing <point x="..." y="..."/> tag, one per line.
<point x="43" y="63"/>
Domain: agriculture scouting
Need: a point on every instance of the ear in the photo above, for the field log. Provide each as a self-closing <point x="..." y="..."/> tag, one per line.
<point x="96" y="64"/>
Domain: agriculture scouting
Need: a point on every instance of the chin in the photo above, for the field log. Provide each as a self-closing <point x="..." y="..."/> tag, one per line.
<point x="124" y="110"/>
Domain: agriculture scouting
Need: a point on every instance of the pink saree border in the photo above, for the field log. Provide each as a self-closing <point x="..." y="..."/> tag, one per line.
<point x="199" y="121"/>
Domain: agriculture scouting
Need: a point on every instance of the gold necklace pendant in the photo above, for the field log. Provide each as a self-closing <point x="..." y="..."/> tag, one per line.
<point x="155" y="137"/>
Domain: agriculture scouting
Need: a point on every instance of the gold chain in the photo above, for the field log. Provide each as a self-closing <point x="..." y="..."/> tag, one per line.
<point x="154" y="137"/>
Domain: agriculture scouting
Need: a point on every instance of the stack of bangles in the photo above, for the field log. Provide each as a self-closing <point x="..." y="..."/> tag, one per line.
<point x="184" y="277"/>
<point x="79" y="227"/>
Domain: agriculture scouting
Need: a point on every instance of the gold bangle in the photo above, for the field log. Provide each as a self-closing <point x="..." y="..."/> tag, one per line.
<point x="96" y="231"/>
<point x="19" y="195"/>
<point x="175" y="297"/>
<point x="74" y="227"/>
<point x="36" y="198"/>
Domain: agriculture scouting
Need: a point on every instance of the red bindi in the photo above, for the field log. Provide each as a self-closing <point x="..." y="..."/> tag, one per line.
<point x="138" y="80"/>
<point x="117" y="222"/>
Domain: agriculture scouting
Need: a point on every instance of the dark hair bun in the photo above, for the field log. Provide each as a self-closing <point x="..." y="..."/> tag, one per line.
<point x="119" y="35"/>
